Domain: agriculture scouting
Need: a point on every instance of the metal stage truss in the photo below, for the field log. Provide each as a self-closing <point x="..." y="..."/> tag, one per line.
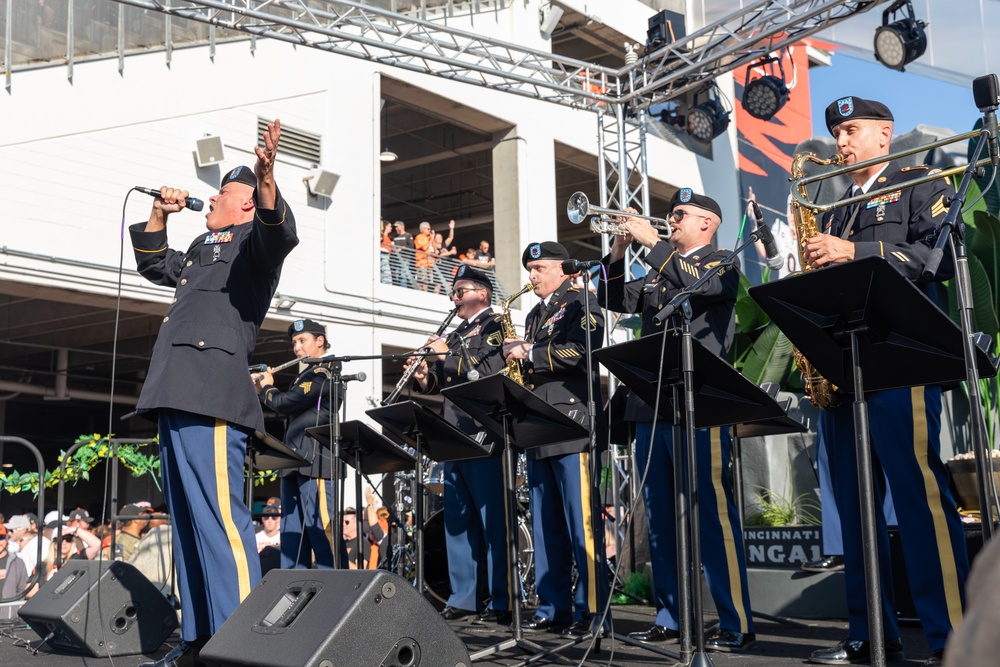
<point x="618" y="97"/>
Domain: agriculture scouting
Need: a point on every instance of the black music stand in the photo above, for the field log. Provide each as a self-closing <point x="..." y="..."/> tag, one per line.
<point x="518" y="418"/>
<point x="870" y="311"/>
<point x="716" y="395"/>
<point x="368" y="452"/>
<point x="265" y="452"/>
<point x="433" y="437"/>
<point x="268" y="453"/>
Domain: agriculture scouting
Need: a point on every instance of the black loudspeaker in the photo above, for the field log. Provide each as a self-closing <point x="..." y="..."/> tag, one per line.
<point x="104" y="608"/>
<point x="335" y="618"/>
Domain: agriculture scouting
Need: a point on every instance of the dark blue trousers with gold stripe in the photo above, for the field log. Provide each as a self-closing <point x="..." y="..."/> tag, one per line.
<point x="201" y="462"/>
<point x="305" y="523"/>
<point x="905" y="427"/>
<point x="722" y="552"/>
<point x="561" y="495"/>
<point x="475" y="522"/>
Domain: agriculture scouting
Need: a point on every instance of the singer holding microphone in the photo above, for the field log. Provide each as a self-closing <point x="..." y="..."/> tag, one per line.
<point x="306" y="492"/>
<point x="197" y="387"/>
<point x="904" y="424"/>
<point x="474" y="517"/>
<point x="674" y="265"/>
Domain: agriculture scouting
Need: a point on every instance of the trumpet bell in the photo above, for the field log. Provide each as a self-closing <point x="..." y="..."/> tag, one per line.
<point x="577" y="208"/>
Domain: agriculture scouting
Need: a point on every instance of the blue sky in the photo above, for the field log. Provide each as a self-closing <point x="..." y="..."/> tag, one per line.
<point x="913" y="99"/>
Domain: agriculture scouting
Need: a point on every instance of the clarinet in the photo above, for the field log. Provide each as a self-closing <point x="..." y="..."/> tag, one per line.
<point x="423" y="352"/>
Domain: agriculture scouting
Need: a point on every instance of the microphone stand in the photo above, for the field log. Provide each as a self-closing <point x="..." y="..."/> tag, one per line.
<point x="952" y="233"/>
<point x="335" y="391"/>
<point x="689" y="566"/>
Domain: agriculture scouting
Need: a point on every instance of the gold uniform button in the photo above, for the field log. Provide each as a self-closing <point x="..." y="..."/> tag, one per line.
<point x="184" y="281"/>
<point x="201" y="343"/>
<point x="572" y="400"/>
<point x="189" y="263"/>
<point x="166" y="319"/>
<point x="531" y="387"/>
<point x="448" y="379"/>
<point x="530" y="371"/>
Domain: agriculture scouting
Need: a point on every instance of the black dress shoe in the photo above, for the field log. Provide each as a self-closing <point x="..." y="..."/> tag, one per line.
<point x="538" y="623"/>
<point x="580" y="628"/>
<point x="730" y="641"/>
<point x="454" y="613"/>
<point x="855" y="652"/>
<point x="655" y="633"/>
<point x="825" y="564"/>
<point x="489" y="616"/>
<point x="936" y="659"/>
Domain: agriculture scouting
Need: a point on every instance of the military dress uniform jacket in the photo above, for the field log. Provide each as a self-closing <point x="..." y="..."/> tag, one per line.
<point x="557" y="371"/>
<point x="483" y="338"/>
<point x="225" y="281"/>
<point x="306" y="404"/>
<point x="714" y="317"/>
<point x="900" y="226"/>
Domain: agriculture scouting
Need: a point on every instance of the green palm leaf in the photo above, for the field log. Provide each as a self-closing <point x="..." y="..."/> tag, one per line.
<point x="769" y="358"/>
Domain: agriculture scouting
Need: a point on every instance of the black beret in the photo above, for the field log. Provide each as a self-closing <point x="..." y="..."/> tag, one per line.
<point x="466" y="272"/>
<point x="853" y="108"/>
<point x="305" y="326"/>
<point x="240" y="174"/>
<point x="545" y="250"/>
<point x="687" y="196"/>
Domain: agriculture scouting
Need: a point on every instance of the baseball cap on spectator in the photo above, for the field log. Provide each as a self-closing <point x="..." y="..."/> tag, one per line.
<point x="53" y="518"/>
<point x="272" y="506"/>
<point x="80" y="514"/>
<point x="17" y="522"/>
<point x="32" y="518"/>
<point x="133" y="511"/>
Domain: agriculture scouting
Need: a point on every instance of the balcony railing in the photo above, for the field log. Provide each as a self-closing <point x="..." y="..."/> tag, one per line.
<point x="412" y="269"/>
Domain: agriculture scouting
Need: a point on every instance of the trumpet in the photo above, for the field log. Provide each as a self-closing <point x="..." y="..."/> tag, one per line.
<point x="423" y="352"/>
<point x="579" y="209"/>
<point x="798" y="188"/>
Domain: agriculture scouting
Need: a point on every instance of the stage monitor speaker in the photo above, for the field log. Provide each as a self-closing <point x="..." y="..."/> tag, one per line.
<point x="335" y="618"/>
<point x="104" y="608"/>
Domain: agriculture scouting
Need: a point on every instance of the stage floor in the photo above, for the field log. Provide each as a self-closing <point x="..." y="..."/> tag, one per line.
<point x="778" y="645"/>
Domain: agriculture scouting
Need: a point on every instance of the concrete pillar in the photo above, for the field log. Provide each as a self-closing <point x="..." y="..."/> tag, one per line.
<point x="507" y="206"/>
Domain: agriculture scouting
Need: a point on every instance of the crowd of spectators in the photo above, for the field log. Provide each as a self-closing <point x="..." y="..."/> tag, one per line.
<point x="427" y="261"/>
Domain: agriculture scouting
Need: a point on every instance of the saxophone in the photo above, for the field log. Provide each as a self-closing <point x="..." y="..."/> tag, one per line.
<point x="821" y="392"/>
<point x="515" y="367"/>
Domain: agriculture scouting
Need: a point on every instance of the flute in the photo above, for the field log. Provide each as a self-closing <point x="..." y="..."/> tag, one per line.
<point x="257" y="370"/>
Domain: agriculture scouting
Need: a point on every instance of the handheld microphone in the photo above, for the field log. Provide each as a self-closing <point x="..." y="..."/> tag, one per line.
<point x="360" y="376"/>
<point x="571" y="266"/>
<point x="986" y="92"/>
<point x="190" y="202"/>
<point x="774" y="259"/>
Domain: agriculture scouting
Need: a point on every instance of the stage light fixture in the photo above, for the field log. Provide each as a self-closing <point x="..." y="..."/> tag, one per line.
<point x="707" y="120"/>
<point x="901" y="42"/>
<point x="764" y="96"/>
<point x="284" y="302"/>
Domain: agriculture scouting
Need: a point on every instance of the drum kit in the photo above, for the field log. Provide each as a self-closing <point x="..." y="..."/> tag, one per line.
<point x="435" y="551"/>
